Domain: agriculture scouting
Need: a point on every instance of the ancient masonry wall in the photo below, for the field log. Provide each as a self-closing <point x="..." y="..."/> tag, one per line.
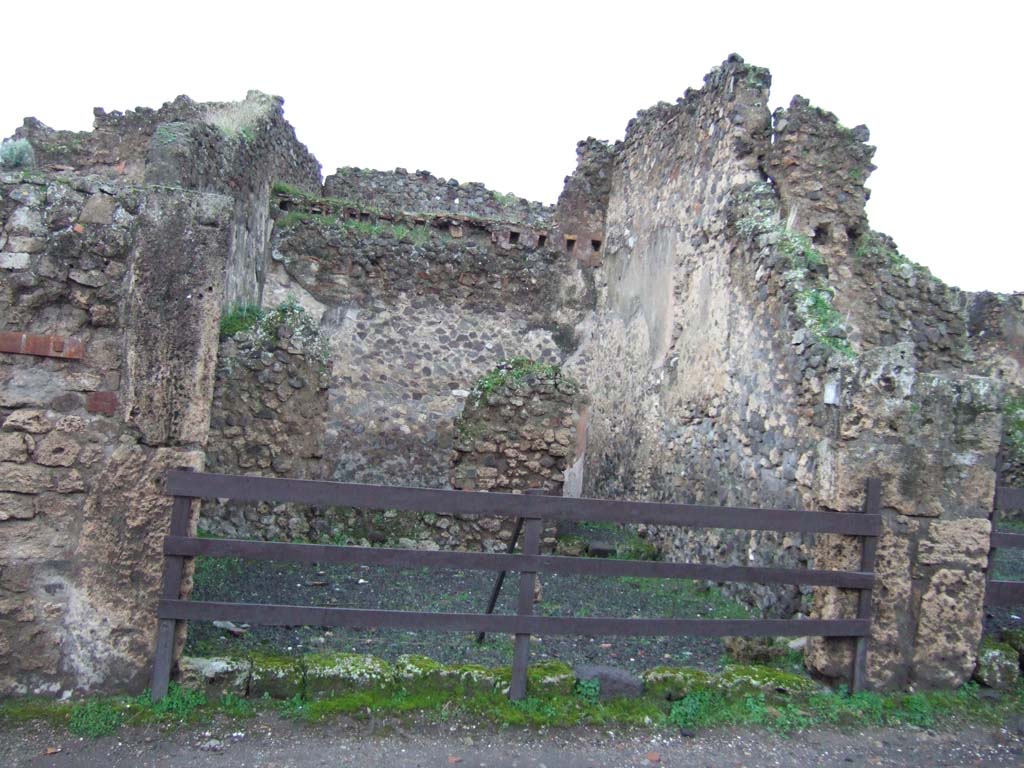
<point x="524" y="428"/>
<point x="421" y="192"/>
<point x="267" y="418"/>
<point x="129" y="281"/>
<point x="416" y="308"/>
<point x="238" y="149"/>
<point x="112" y="280"/>
<point x="743" y="351"/>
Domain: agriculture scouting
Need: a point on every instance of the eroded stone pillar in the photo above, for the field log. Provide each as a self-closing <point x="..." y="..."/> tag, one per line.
<point x="932" y="439"/>
<point x="523" y="428"/>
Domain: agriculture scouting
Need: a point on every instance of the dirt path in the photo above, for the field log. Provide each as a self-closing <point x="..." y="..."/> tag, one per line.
<point x="269" y="742"/>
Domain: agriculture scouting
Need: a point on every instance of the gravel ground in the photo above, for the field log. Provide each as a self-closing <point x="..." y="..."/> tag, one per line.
<point x="455" y="591"/>
<point x="269" y="742"/>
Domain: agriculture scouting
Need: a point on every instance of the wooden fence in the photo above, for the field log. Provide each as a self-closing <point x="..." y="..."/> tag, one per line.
<point x="532" y="510"/>
<point x="1005" y="592"/>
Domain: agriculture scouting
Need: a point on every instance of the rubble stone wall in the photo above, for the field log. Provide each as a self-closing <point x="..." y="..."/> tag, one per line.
<point x="755" y="344"/>
<point x="421" y="192"/>
<point x="267" y="419"/>
<point x="132" y="278"/>
<point x="415" y="312"/>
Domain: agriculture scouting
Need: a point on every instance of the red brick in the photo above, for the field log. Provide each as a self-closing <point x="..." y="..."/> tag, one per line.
<point x="101" y="402"/>
<point x="42" y="345"/>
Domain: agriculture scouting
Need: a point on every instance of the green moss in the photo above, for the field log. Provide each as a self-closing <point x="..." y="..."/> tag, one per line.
<point x="337" y="674"/>
<point x="1015" y="639"/>
<point x="279" y="677"/>
<point x="674" y="682"/>
<point x="998" y="665"/>
<point x="286" y="189"/>
<point x="33" y="708"/>
<point x="749" y="678"/>
<point x="545" y="677"/>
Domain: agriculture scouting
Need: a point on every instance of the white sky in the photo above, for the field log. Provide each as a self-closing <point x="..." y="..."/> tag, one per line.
<point x="501" y="92"/>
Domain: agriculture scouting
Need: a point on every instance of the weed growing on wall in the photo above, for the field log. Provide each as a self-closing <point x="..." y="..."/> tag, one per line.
<point x="805" y="274"/>
<point x="508" y="372"/>
<point x="240" y="317"/>
<point x="240" y="120"/>
<point x="877" y="247"/>
<point x="306" y="333"/>
<point x="16" y="153"/>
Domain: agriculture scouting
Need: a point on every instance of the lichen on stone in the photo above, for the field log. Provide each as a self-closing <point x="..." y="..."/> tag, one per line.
<point x="753" y="678"/>
<point x="998" y="665"/>
<point x="674" y="682"/>
<point x="344" y="671"/>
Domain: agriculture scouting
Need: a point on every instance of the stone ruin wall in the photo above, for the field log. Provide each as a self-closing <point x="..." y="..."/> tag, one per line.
<point x="131" y="276"/>
<point x="237" y="149"/>
<point x="714" y="379"/>
<point x="665" y="280"/>
<point x="422" y="192"/>
<point x="523" y="434"/>
<point x="416" y="307"/>
<point x="266" y="418"/>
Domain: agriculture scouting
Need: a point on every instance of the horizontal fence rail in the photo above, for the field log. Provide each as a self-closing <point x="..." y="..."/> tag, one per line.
<point x="327" y="494"/>
<point x="1001" y="593"/>
<point x="530" y="511"/>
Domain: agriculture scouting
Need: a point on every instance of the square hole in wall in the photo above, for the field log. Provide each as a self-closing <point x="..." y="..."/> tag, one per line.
<point x="364" y="217"/>
<point x="513" y="237"/>
<point x="542" y="240"/>
<point x="595" y="245"/>
<point x="570" y="244"/>
<point x="822" y="234"/>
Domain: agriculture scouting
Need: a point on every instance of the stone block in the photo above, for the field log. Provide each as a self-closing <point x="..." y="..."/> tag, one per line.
<point x="956" y="543"/>
<point x="949" y="628"/>
<point x="25" y="478"/>
<point x="16" y="506"/>
<point x="98" y="209"/>
<point x="215" y="676"/>
<point x="613" y="682"/>
<point x="57" y="449"/>
<point x="28" y="420"/>
<point x="998" y="666"/>
<point x="14" y="447"/>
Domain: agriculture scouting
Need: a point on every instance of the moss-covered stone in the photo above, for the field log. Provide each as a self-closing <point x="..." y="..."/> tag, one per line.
<point x="751" y="678"/>
<point x="553" y="678"/>
<point x="674" y="682"/>
<point x="998" y="665"/>
<point x="571" y="546"/>
<point x="215" y="676"/>
<point x="279" y="677"/>
<point x="336" y="674"/>
<point x="472" y="678"/>
<point x="1015" y="639"/>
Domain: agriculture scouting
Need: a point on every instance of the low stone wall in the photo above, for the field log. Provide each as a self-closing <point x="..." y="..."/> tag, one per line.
<point x="523" y="429"/>
<point x="267" y="419"/>
<point x="421" y="192"/>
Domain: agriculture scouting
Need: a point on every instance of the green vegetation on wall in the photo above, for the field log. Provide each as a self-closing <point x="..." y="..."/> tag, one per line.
<point x="508" y="372"/>
<point x="806" y="271"/>
<point x="16" y="153"/>
<point x="264" y="326"/>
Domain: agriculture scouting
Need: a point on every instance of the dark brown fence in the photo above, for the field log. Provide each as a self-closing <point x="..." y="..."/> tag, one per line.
<point x="531" y="510"/>
<point x="1005" y="592"/>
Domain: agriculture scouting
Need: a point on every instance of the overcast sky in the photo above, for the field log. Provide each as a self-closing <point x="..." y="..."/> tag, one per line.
<point x="501" y="92"/>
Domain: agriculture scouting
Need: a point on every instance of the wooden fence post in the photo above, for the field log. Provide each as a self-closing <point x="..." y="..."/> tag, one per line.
<point x="174" y="567"/>
<point x="872" y="505"/>
<point x="527" y="584"/>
